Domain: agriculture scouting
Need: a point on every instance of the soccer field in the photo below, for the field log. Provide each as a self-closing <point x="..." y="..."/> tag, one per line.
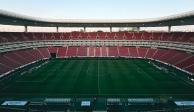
<point x="97" y="77"/>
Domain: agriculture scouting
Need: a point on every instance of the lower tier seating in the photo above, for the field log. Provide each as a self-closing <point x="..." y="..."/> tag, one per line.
<point x="14" y="59"/>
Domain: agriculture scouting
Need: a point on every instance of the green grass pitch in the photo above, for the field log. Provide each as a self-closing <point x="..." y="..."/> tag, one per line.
<point x="97" y="77"/>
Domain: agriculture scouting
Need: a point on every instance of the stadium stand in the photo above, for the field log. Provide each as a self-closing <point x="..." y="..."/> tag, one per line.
<point x="15" y="57"/>
<point x="163" y="36"/>
<point x="21" y="57"/>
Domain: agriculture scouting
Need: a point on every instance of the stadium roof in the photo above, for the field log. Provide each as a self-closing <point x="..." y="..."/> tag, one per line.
<point x="10" y="18"/>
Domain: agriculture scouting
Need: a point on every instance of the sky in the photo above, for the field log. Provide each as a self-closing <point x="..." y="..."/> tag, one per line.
<point x="97" y="9"/>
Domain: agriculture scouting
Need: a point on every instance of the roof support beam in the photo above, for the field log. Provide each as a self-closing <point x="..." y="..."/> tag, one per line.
<point x="111" y="29"/>
<point x="84" y="29"/>
<point x="57" y="29"/>
<point x="169" y="29"/>
<point x="26" y="28"/>
<point x="138" y="29"/>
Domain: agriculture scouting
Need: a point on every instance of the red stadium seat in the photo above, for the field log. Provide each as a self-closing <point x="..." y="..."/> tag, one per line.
<point x="18" y="58"/>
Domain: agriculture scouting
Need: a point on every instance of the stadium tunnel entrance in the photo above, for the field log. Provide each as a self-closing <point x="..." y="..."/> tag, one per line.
<point x="53" y="55"/>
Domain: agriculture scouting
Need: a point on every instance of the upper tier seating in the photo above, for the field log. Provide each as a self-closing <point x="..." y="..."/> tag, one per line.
<point x="175" y="36"/>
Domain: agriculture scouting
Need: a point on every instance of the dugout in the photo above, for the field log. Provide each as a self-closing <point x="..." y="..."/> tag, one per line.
<point x="56" y="104"/>
<point x="142" y="101"/>
<point x="114" y="104"/>
<point x="139" y="104"/>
